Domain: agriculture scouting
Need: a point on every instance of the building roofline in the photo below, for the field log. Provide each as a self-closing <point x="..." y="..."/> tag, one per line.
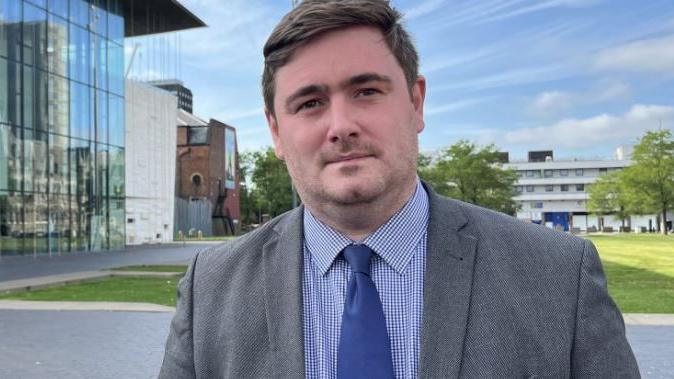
<point x="157" y="16"/>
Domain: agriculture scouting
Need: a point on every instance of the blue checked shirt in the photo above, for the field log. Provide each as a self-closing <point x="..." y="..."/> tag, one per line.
<point x="397" y="270"/>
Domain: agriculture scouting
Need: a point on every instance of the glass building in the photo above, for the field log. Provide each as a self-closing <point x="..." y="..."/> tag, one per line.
<point x="62" y="147"/>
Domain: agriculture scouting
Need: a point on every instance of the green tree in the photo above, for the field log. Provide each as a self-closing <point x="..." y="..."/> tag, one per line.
<point x="651" y="178"/>
<point x="271" y="190"/>
<point x="610" y="195"/>
<point x="470" y="173"/>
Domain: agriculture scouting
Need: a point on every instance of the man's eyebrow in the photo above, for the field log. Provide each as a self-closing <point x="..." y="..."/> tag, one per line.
<point x="305" y="91"/>
<point x="366" y="78"/>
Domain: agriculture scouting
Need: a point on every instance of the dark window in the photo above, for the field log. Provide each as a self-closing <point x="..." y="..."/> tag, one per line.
<point x="564" y="172"/>
<point x="549" y="188"/>
<point x="602" y="171"/>
<point x="530" y="188"/>
<point x="579" y="172"/>
<point x="196" y="179"/>
<point x="537" y="205"/>
<point x="530" y="173"/>
<point x="547" y="173"/>
<point x="564" y="187"/>
<point x="580" y="187"/>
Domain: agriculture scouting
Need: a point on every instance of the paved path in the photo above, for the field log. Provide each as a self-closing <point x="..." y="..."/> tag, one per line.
<point x="23" y="267"/>
<point x="86" y="344"/>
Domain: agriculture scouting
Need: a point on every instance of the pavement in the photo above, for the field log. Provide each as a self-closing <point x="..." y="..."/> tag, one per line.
<point x="112" y="339"/>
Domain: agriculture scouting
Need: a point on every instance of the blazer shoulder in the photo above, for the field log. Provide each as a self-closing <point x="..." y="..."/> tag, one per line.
<point x="248" y="248"/>
<point x="500" y="232"/>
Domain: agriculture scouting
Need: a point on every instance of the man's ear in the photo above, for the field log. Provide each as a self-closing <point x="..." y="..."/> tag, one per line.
<point x="273" y="128"/>
<point x="418" y="96"/>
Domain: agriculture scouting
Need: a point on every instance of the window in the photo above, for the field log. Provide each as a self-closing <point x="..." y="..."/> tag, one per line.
<point x="579" y="172"/>
<point x="530" y="188"/>
<point x="530" y="173"/>
<point x="564" y="187"/>
<point x="564" y="172"/>
<point x="580" y="187"/>
<point x="537" y="205"/>
<point x="197" y="180"/>
<point x="549" y="188"/>
<point x="518" y="189"/>
<point x="602" y="171"/>
<point x="547" y="173"/>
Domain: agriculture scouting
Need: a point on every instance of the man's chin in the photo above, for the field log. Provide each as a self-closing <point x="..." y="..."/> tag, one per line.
<point x="353" y="193"/>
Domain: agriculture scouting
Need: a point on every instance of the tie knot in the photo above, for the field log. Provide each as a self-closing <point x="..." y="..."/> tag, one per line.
<point x="358" y="257"/>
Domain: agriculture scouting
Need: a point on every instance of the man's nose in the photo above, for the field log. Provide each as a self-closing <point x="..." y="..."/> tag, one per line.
<point x="342" y="122"/>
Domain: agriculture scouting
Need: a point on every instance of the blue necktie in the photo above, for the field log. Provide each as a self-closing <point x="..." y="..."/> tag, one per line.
<point x="364" y="346"/>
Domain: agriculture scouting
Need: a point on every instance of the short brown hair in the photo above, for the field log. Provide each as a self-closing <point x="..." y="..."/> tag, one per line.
<point x="315" y="17"/>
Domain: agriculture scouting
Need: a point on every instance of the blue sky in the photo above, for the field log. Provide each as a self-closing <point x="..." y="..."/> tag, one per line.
<point x="577" y="76"/>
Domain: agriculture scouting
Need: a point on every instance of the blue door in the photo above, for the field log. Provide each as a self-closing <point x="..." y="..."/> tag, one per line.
<point x="558" y="219"/>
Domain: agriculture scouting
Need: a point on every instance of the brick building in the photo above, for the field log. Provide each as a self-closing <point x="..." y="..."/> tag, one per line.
<point x="206" y="168"/>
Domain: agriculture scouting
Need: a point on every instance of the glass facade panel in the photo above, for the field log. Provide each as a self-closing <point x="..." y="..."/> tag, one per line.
<point x="79" y="54"/>
<point x="11" y="223"/>
<point x="36" y="219"/>
<point x="35" y="161"/>
<point x="11" y="159"/>
<point x="10" y="29"/>
<point x="102" y="116"/>
<point x="116" y="169"/>
<point x="99" y="62"/>
<point x="116" y="129"/>
<point x="62" y="133"/>
<point x="99" y="17"/>
<point x="34" y="36"/>
<point x="115" y="22"/>
<point x="57" y="46"/>
<point x="79" y="12"/>
<point x="59" y="224"/>
<point x="80" y="110"/>
<point x="58" y="98"/>
<point x="35" y="90"/>
<point x="117" y="218"/>
<point x="59" y="7"/>
<point x="58" y="164"/>
<point x="116" y="68"/>
<point x="10" y="92"/>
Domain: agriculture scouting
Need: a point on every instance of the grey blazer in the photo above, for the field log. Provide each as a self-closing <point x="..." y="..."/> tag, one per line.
<point x="502" y="299"/>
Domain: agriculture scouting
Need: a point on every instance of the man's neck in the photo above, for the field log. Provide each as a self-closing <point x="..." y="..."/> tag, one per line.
<point x="357" y="221"/>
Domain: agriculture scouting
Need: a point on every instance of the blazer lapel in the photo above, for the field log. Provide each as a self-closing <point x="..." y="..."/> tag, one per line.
<point x="447" y="287"/>
<point x="283" y="265"/>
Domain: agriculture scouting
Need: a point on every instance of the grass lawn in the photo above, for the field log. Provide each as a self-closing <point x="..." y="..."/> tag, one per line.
<point x="640" y="271"/>
<point x="140" y="290"/>
<point x="151" y="268"/>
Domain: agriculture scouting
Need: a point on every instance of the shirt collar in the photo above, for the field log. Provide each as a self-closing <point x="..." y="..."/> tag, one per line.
<point x="394" y="241"/>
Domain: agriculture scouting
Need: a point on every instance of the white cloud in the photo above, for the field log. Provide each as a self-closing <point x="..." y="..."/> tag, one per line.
<point x="549" y="102"/>
<point x="514" y="77"/>
<point x="554" y="101"/>
<point x="423" y="9"/>
<point x="655" y="55"/>
<point x="430" y="110"/>
<point x="594" y="131"/>
<point x="482" y="12"/>
<point x="238" y="114"/>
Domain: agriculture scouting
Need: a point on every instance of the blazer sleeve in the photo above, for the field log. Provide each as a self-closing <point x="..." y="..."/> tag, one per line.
<point x="600" y="348"/>
<point x="179" y="353"/>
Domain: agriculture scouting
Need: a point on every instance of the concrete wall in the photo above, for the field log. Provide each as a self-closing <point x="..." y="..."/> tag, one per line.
<point x="150" y="163"/>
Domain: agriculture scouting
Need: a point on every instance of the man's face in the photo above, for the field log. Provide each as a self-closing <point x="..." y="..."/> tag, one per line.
<point x="345" y="121"/>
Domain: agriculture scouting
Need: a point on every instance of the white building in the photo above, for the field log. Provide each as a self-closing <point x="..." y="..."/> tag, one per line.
<point x="555" y="192"/>
<point x="150" y="163"/>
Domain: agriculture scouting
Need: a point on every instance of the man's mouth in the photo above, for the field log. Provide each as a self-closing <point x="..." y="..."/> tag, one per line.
<point x="349" y="157"/>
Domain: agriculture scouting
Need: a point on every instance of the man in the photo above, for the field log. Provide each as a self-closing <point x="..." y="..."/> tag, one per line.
<point x="377" y="276"/>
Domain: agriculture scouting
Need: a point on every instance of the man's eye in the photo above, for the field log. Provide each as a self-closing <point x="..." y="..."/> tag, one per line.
<point x="367" y="92"/>
<point x="315" y="103"/>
